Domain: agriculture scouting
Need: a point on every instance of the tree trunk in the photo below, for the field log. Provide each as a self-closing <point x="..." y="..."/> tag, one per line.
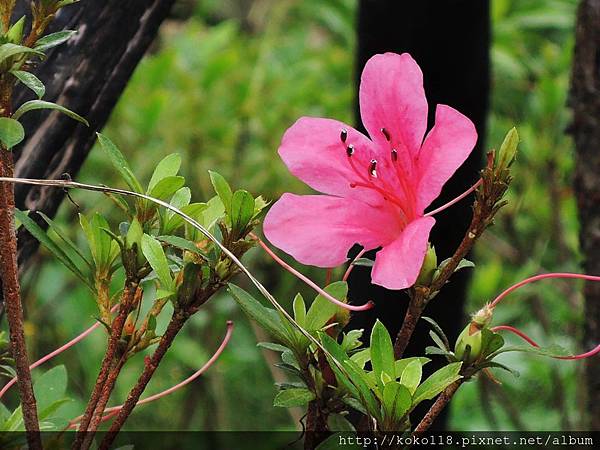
<point x="87" y="75"/>
<point x="450" y="41"/>
<point x="585" y="101"/>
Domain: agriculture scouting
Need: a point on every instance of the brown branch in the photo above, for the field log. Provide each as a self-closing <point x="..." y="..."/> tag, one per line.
<point x="12" y="299"/>
<point x="413" y="314"/>
<point x="438" y="407"/>
<point x="127" y="299"/>
<point x="177" y="322"/>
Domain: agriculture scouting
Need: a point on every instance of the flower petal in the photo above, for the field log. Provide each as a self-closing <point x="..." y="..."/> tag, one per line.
<point x="398" y="264"/>
<point x="313" y="151"/>
<point x="445" y="149"/>
<point x="392" y="97"/>
<point x="319" y="230"/>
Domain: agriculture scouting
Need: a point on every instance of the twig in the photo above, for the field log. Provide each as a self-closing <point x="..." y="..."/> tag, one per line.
<point x="116" y="329"/>
<point x="9" y="272"/>
<point x="177" y="322"/>
<point x="438" y="407"/>
<point x="414" y="311"/>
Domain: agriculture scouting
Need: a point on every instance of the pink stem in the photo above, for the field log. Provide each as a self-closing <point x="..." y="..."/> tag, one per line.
<point x="541" y="277"/>
<point x="112" y="411"/>
<point x="308" y="281"/>
<point x="456" y="200"/>
<point x="54" y="353"/>
<point x="531" y="342"/>
<point x="517" y="332"/>
<point x="351" y="266"/>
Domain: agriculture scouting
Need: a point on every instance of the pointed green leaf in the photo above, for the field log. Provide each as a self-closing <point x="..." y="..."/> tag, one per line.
<point x="437" y="382"/>
<point x="166" y="188"/>
<point x="32" y="105"/>
<point x="411" y="376"/>
<point x="397" y="400"/>
<point x="299" y="310"/>
<point x="9" y="49"/>
<point x="38" y="233"/>
<point x="267" y="318"/>
<point x="222" y="188"/>
<point x="155" y="255"/>
<point x="11" y="132"/>
<point x="382" y="353"/>
<point x="50" y="387"/>
<point x="321" y="309"/>
<point x="242" y="210"/>
<point x="31" y="81"/>
<point x="53" y="39"/>
<point x="119" y="163"/>
<point x="168" y="167"/>
<point x="293" y="397"/>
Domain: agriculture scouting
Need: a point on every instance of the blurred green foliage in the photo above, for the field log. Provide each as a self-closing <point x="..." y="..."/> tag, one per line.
<point x="220" y="88"/>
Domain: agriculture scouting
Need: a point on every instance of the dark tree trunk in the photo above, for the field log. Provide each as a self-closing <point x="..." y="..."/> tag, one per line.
<point x="450" y="41"/>
<point x="87" y="75"/>
<point x="585" y="100"/>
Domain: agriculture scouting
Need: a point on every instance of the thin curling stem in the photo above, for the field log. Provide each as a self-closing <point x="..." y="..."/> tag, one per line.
<point x="351" y="266"/>
<point x="542" y="277"/>
<point x="54" y="353"/>
<point x="308" y="281"/>
<point x="112" y="411"/>
<point x="531" y="342"/>
<point x="456" y="200"/>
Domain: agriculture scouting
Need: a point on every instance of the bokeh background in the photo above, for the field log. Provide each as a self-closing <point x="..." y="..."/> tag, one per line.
<point x="220" y="86"/>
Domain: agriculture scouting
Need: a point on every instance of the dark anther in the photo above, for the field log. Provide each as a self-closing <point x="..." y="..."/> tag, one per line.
<point x="350" y="150"/>
<point x="394" y="155"/>
<point x="373" y="168"/>
<point x="344" y="135"/>
<point x="386" y="133"/>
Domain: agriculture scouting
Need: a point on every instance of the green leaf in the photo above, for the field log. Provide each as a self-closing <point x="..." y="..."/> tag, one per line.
<point x="50" y="387"/>
<point x="215" y="210"/>
<point x="8" y="50"/>
<point x="155" y="255"/>
<point x="50" y="410"/>
<point x="31" y="81"/>
<point x="38" y="233"/>
<point x="382" y="353"/>
<point x="53" y="39"/>
<point x="222" y="188"/>
<point x="32" y="105"/>
<point x="11" y="132"/>
<point x="411" y="376"/>
<point x="397" y="400"/>
<point x="437" y="382"/>
<point x="119" y="163"/>
<point x="299" y="310"/>
<point x="168" y="167"/>
<point x="181" y="243"/>
<point x="438" y="330"/>
<point x="490" y="342"/>
<point x="497" y="365"/>
<point x="242" y="210"/>
<point x="338" y="422"/>
<point x="63" y="236"/>
<point x="273" y="346"/>
<point x="100" y="243"/>
<point x="364" y="262"/>
<point x="194" y="210"/>
<point x="166" y="188"/>
<point x="401" y="364"/>
<point x="552" y="351"/>
<point x="293" y="397"/>
<point x="267" y="318"/>
<point x="321" y="309"/>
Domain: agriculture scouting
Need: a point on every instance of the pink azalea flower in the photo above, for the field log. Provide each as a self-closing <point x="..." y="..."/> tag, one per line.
<point x="378" y="188"/>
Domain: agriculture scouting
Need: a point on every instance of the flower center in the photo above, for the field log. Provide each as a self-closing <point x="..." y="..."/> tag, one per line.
<point x="371" y="179"/>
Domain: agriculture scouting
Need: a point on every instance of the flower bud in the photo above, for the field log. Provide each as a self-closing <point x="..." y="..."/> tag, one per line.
<point x="508" y="149"/>
<point x="472" y="336"/>
<point x="429" y="267"/>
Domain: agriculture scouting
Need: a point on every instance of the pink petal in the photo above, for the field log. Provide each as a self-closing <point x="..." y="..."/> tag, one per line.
<point x="314" y="152"/>
<point x="392" y="97"/>
<point x="319" y="229"/>
<point x="398" y="264"/>
<point x="446" y="147"/>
